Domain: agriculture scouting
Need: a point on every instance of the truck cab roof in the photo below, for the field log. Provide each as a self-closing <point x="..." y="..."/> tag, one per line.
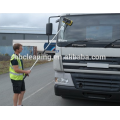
<point x="71" y="14"/>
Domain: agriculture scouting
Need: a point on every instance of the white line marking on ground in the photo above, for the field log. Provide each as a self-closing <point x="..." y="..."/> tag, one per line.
<point x="37" y="91"/>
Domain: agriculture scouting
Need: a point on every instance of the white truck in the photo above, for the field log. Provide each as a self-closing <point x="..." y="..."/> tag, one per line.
<point x="90" y="35"/>
<point x="41" y="44"/>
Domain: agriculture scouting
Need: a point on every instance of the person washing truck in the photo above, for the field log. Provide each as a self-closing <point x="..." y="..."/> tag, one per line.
<point x="17" y="73"/>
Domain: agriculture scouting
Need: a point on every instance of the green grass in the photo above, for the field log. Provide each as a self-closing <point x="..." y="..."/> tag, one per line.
<point x="4" y="65"/>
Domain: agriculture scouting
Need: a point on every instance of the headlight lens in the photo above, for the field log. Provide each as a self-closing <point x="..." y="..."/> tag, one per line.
<point x="61" y="80"/>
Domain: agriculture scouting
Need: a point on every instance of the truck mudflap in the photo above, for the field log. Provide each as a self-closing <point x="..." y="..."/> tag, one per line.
<point x="72" y="92"/>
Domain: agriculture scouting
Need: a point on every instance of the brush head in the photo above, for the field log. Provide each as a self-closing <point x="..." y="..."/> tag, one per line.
<point x="67" y="21"/>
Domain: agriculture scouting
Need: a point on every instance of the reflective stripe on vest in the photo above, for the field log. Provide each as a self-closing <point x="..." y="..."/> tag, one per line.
<point x="16" y="73"/>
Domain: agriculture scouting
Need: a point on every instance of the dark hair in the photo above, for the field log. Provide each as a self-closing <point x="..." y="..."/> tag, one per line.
<point x="16" y="46"/>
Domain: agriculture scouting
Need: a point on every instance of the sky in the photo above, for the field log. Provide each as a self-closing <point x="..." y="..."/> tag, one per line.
<point x="35" y="18"/>
<point x="35" y="13"/>
<point x="28" y="20"/>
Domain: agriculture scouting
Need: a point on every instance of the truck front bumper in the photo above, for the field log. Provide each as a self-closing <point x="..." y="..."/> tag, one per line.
<point x="69" y="91"/>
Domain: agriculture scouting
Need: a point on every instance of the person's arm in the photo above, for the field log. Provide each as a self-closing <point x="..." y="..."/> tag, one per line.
<point x="16" y="69"/>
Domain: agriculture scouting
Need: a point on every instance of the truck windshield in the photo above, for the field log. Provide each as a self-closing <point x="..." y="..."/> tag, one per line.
<point x="100" y="28"/>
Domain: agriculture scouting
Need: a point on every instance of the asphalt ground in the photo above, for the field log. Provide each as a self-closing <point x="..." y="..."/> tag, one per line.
<point x="40" y="90"/>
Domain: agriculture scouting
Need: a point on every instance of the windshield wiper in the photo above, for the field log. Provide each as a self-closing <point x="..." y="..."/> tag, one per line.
<point x="76" y="41"/>
<point x="111" y="43"/>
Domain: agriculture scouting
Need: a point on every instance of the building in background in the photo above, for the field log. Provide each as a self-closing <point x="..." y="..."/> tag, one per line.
<point x="8" y="34"/>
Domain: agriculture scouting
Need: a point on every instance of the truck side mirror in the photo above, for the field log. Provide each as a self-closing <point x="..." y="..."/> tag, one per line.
<point x="49" y="29"/>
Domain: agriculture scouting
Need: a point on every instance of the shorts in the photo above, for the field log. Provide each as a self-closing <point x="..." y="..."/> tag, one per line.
<point x="18" y="86"/>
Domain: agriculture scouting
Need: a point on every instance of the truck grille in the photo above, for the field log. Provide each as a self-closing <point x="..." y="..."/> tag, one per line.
<point x="95" y="81"/>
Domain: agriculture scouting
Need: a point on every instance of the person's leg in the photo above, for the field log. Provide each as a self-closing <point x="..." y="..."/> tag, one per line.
<point x="20" y="98"/>
<point x="15" y="99"/>
<point x="16" y="90"/>
<point x="21" y="95"/>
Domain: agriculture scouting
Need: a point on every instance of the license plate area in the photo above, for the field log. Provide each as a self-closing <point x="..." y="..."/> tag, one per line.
<point x="97" y="65"/>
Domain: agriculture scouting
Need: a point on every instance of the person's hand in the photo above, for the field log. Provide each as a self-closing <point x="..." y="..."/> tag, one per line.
<point x="27" y="71"/>
<point x="27" y="75"/>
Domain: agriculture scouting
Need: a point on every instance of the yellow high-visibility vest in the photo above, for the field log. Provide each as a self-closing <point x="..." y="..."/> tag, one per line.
<point x="14" y="75"/>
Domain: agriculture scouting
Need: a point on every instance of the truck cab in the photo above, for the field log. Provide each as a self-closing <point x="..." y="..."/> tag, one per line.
<point x="87" y="58"/>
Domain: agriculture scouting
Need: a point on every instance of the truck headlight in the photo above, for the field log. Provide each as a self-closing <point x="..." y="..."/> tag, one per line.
<point x="61" y="80"/>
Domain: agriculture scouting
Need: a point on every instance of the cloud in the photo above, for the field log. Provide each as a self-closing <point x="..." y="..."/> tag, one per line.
<point x="27" y="20"/>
